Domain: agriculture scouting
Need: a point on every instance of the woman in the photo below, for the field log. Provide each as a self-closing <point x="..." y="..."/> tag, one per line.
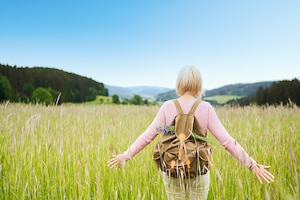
<point x="189" y="88"/>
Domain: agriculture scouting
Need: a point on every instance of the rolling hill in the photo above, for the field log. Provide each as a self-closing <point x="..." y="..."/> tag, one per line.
<point x="223" y="94"/>
<point x="218" y="96"/>
<point x="148" y="92"/>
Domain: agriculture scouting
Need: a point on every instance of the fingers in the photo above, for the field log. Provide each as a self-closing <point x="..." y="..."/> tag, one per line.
<point x="268" y="177"/>
<point x="261" y="173"/>
<point x="117" y="161"/>
<point x="259" y="179"/>
<point x="113" y="163"/>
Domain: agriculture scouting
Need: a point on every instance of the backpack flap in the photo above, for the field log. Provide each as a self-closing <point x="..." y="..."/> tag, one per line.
<point x="167" y="143"/>
<point x="204" y="155"/>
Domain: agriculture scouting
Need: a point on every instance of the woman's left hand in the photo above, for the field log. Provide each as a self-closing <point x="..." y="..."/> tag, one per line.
<point x="261" y="173"/>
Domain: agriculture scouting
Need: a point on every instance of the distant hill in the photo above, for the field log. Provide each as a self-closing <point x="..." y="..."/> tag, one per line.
<point x="148" y="92"/>
<point x="228" y="92"/>
<point x="122" y="92"/>
<point x="239" y="89"/>
<point x="216" y="96"/>
<point x="166" y="95"/>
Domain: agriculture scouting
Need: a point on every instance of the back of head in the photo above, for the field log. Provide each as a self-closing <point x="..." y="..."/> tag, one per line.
<point x="189" y="81"/>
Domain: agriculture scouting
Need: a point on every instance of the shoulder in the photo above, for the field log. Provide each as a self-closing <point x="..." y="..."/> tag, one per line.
<point x="205" y="105"/>
<point x="168" y="104"/>
<point x="167" y="111"/>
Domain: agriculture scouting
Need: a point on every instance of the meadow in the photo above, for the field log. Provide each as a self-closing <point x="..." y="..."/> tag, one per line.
<point x="222" y="99"/>
<point x="62" y="152"/>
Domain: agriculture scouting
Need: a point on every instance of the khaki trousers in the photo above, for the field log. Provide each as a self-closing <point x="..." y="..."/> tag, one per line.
<point x="182" y="189"/>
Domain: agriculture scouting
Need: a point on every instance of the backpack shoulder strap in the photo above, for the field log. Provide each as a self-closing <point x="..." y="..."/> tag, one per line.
<point x="179" y="109"/>
<point x="194" y="106"/>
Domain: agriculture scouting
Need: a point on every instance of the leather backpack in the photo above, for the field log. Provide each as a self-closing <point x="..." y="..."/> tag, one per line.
<point x="183" y="152"/>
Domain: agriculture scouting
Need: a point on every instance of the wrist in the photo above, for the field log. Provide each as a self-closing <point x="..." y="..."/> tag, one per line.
<point x="253" y="166"/>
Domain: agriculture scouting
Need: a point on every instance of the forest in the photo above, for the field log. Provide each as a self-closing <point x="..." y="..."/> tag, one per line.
<point x="281" y="92"/>
<point x="284" y="92"/>
<point x="24" y="84"/>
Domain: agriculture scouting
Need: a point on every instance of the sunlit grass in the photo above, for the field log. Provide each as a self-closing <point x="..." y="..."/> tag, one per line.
<point x="62" y="152"/>
<point x="221" y="99"/>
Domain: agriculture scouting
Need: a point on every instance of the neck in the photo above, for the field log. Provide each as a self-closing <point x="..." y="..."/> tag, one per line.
<point x="187" y="96"/>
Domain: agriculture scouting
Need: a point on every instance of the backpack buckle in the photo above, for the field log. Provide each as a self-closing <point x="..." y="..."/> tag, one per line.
<point x="181" y="138"/>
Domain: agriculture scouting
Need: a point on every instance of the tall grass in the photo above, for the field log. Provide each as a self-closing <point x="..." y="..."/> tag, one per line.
<point x="62" y="152"/>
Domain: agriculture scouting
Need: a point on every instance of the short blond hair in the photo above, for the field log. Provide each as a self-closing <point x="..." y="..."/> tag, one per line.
<point x="189" y="81"/>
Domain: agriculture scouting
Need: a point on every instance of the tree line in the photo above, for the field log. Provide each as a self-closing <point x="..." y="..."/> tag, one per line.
<point x="48" y="85"/>
<point x="285" y="92"/>
<point x="24" y="84"/>
<point x="135" y="100"/>
<point x="282" y="92"/>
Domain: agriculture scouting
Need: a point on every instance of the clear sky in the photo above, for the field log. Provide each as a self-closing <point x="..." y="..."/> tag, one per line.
<point x="138" y="42"/>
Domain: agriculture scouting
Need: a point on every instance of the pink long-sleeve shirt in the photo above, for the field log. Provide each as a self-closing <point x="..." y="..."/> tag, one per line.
<point x="208" y="120"/>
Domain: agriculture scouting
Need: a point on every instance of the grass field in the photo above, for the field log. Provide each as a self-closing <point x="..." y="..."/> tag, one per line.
<point x="222" y="99"/>
<point x="62" y="152"/>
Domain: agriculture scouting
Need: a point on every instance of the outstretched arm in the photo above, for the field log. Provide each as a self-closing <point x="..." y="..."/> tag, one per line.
<point x="144" y="139"/>
<point x="218" y="130"/>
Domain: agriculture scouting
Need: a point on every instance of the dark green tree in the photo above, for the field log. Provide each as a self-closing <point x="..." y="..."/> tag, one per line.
<point x="125" y="101"/>
<point x="146" y="102"/>
<point x="92" y="94"/>
<point x="42" y="95"/>
<point x="28" y="89"/>
<point x="115" y="99"/>
<point x="136" y="100"/>
<point x="261" y="97"/>
<point x="5" y="88"/>
<point x="295" y="96"/>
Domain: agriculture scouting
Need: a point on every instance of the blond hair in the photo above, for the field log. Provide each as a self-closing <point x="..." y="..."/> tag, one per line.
<point x="189" y="81"/>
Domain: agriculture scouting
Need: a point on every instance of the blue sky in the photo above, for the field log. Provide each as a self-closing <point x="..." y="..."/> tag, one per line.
<point x="135" y="42"/>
